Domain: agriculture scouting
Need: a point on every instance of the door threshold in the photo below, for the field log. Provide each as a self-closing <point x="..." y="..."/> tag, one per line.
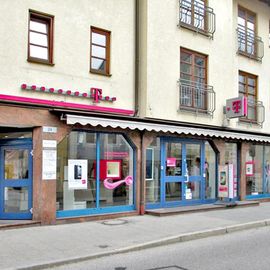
<point x="196" y="208"/>
<point x="12" y="224"/>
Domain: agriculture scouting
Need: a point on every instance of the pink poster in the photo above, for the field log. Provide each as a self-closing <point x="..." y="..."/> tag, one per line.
<point x="171" y="162"/>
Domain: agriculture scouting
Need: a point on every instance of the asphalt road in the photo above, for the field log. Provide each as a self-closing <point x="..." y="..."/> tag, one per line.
<point x="245" y="250"/>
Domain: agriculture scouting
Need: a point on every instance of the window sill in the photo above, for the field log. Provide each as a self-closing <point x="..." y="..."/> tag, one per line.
<point x="251" y="56"/>
<point x="92" y="71"/>
<point x="39" y="61"/>
<point x="249" y="122"/>
<point x="195" y="29"/>
<point x="196" y="111"/>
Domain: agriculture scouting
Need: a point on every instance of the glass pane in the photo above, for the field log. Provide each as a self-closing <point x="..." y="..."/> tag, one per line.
<point x="241" y="78"/>
<point x="193" y="153"/>
<point x="242" y="88"/>
<point x="185" y="77"/>
<point x="116" y="171"/>
<point x="98" y="39"/>
<point x="38" y="26"/>
<point x="16" y="199"/>
<point x="251" y="82"/>
<point x="254" y="157"/>
<point x="39" y="39"/>
<point x="185" y="57"/>
<point x="76" y="147"/>
<point x="186" y="95"/>
<point x="251" y="113"/>
<point x="210" y="172"/>
<point x="38" y="52"/>
<point x="98" y="51"/>
<point x="152" y="182"/>
<point x="199" y="61"/>
<point x="98" y="64"/>
<point x="267" y="170"/>
<point x="174" y="191"/>
<point x="251" y="90"/>
<point x="241" y="22"/>
<point x="173" y="159"/>
<point x="16" y="164"/>
<point x="192" y="191"/>
<point x="200" y="72"/>
<point x="186" y="68"/>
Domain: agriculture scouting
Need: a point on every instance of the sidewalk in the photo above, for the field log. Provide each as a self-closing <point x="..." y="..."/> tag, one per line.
<point x="41" y="247"/>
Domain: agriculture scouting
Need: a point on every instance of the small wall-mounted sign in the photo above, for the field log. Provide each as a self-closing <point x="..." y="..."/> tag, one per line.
<point x="95" y="93"/>
<point x="49" y="129"/>
<point x="236" y="107"/>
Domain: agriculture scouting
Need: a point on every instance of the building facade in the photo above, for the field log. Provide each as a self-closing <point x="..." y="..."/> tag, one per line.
<point x="163" y="105"/>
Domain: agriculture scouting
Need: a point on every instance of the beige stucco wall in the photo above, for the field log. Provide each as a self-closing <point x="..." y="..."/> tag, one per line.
<point x="71" y="49"/>
<point x="164" y="39"/>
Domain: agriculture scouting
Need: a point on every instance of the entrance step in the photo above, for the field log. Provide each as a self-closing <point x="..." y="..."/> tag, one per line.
<point x="13" y="224"/>
<point x="199" y="208"/>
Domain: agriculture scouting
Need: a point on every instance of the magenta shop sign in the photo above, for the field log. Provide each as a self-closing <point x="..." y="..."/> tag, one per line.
<point x="95" y="93"/>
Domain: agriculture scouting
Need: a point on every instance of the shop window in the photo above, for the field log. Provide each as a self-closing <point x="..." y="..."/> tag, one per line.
<point x="227" y="170"/>
<point x="210" y="172"/>
<point x="254" y="169"/>
<point x="100" y="51"/>
<point x="40" y="38"/>
<point x="80" y="155"/>
<point x="152" y="173"/>
<point x="266" y="167"/>
<point x="118" y="164"/>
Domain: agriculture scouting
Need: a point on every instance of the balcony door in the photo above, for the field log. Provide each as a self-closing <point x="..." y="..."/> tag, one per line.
<point x="182" y="172"/>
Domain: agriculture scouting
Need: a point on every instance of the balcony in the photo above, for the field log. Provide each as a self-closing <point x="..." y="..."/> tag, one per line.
<point x="249" y="44"/>
<point x="197" y="98"/>
<point x="196" y="16"/>
<point x="256" y="113"/>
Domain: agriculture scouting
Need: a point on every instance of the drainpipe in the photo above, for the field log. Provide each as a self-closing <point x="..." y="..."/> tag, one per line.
<point x="142" y="186"/>
<point x="136" y="75"/>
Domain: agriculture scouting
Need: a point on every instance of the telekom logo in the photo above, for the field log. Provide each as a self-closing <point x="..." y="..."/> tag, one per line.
<point x="236" y="106"/>
<point x="96" y="94"/>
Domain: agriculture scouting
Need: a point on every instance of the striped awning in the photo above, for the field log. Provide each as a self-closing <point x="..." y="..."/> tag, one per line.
<point x="124" y="124"/>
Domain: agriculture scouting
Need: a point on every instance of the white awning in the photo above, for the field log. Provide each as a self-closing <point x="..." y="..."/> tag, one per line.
<point x="114" y="123"/>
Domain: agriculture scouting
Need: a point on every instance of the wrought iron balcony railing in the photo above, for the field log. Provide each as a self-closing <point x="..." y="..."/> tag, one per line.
<point x="256" y="113"/>
<point x="249" y="44"/>
<point x="195" y="15"/>
<point x="196" y="97"/>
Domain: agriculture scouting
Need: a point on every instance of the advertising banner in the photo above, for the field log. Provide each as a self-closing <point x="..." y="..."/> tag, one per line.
<point x="77" y="173"/>
<point x="223" y="188"/>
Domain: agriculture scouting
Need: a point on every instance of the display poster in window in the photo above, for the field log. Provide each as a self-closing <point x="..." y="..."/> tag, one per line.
<point x="49" y="164"/>
<point x="77" y="173"/>
<point x="223" y="181"/>
<point x="171" y="162"/>
<point x="250" y="168"/>
<point x="231" y="180"/>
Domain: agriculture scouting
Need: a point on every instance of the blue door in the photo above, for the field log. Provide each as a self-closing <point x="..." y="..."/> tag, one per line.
<point x="182" y="172"/>
<point x="16" y="179"/>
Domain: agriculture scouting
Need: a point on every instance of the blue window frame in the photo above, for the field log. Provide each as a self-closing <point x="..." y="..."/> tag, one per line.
<point x="16" y="179"/>
<point x="103" y="146"/>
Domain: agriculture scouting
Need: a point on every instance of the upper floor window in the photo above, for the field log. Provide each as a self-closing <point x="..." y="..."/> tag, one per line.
<point x="248" y="88"/>
<point x="100" y="51"/>
<point x="195" y="94"/>
<point x="248" y="43"/>
<point x="40" y="38"/>
<point x="196" y="15"/>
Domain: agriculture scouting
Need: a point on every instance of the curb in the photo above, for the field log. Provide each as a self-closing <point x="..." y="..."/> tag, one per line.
<point x="156" y="243"/>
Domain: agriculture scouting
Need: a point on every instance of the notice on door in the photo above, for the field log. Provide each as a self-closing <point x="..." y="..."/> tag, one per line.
<point x="77" y="173"/>
<point x="48" y="164"/>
